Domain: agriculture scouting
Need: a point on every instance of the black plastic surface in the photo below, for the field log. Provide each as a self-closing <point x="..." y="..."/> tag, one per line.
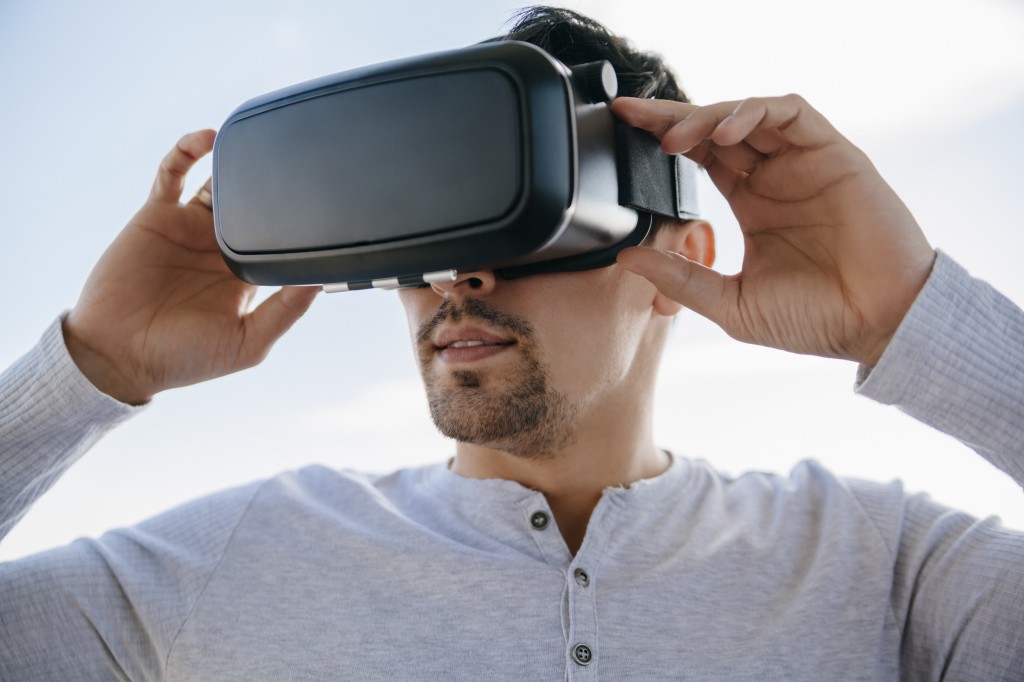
<point x="373" y="164"/>
<point x="279" y="222"/>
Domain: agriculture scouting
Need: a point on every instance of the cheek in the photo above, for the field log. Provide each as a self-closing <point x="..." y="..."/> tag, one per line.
<point x="593" y="343"/>
<point x="420" y="305"/>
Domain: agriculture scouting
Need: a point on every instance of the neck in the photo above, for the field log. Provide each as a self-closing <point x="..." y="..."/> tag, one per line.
<point x="611" y="447"/>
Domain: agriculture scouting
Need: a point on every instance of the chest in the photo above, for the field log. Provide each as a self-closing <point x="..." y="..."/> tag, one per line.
<point x="426" y="608"/>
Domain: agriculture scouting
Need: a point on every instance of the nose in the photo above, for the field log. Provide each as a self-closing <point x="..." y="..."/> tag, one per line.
<point x="474" y="283"/>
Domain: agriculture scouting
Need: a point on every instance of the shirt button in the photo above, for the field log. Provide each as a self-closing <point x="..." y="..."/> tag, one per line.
<point x="581" y="577"/>
<point x="539" y="520"/>
<point x="582" y="654"/>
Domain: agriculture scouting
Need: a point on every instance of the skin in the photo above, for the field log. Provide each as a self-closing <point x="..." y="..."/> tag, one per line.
<point x="832" y="257"/>
<point x="601" y="333"/>
<point x="832" y="262"/>
<point x="161" y="309"/>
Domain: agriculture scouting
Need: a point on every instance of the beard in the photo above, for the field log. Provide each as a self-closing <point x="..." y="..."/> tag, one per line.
<point x="517" y="412"/>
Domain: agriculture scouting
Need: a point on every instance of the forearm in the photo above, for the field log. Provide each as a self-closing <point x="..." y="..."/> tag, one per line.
<point x="957" y="364"/>
<point x="49" y="416"/>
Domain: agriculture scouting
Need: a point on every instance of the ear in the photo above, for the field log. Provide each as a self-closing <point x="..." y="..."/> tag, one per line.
<point x="694" y="239"/>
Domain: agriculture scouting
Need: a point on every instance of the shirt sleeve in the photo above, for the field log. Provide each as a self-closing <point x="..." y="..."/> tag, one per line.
<point x="957" y="364"/>
<point x="111" y="608"/>
<point x="50" y="415"/>
<point x="108" y="608"/>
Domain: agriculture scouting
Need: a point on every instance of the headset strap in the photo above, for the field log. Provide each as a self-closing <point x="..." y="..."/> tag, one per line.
<point x="652" y="181"/>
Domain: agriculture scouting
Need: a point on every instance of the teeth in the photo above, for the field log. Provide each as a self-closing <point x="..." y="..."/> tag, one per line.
<point x="469" y="344"/>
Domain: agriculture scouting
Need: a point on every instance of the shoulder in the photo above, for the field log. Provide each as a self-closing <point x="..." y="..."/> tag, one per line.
<point x="320" y="489"/>
<point x="809" y="499"/>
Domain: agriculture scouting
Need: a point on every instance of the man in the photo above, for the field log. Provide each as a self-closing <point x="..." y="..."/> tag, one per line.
<point x="559" y="542"/>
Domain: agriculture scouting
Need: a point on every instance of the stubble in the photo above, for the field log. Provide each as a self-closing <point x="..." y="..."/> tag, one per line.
<point x="517" y="412"/>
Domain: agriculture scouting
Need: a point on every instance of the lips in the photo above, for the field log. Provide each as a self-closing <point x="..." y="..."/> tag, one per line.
<point x="469" y="345"/>
<point x="469" y="338"/>
<point x="473" y="344"/>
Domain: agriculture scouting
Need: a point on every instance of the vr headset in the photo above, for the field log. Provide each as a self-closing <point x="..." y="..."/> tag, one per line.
<point x="493" y="156"/>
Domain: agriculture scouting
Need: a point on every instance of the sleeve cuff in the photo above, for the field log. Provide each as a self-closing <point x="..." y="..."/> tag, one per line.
<point x="956" y="364"/>
<point x="60" y="383"/>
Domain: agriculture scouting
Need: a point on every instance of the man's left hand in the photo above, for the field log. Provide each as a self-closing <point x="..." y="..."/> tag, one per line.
<point x="832" y="257"/>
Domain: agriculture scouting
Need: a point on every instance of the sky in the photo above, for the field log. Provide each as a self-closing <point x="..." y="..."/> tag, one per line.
<point x="96" y="93"/>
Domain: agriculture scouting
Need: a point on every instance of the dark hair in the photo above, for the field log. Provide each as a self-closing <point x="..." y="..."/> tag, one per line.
<point x="574" y="39"/>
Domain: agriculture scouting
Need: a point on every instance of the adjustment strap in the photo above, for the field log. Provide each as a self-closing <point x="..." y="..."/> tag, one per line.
<point x="651" y="180"/>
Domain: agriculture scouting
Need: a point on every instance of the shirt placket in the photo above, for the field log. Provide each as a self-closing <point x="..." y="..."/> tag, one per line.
<point x="581" y="574"/>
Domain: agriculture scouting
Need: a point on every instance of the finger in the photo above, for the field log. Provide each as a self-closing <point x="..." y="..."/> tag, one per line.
<point x="699" y="288"/>
<point x="170" y="177"/>
<point x="697" y="126"/>
<point x="768" y="124"/>
<point x="724" y="176"/>
<point x="203" y="198"/>
<point x="657" y="116"/>
<point x="741" y="157"/>
<point x="796" y="120"/>
<point x="272" y="318"/>
<point x="768" y="142"/>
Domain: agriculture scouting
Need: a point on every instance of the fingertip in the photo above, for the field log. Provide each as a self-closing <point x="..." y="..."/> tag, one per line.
<point x="678" y="139"/>
<point x="629" y="110"/>
<point x="630" y="257"/>
<point x="646" y="260"/>
<point x="626" y="104"/>
<point x="199" y="142"/>
<point x="276" y="315"/>
<point x="299" y="297"/>
<point x="656" y="116"/>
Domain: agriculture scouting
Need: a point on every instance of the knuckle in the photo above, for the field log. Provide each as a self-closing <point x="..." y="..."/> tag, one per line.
<point x="182" y="149"/>
<point x="668" y="122"/>
<point x="748" y="103"/>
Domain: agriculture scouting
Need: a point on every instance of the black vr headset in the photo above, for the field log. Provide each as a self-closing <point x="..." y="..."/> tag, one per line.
<point x="493" y="156"/>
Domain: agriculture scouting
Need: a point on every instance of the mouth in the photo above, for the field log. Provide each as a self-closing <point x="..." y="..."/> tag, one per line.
<point x="474" y="344"/>
<point x="469" y="345"/>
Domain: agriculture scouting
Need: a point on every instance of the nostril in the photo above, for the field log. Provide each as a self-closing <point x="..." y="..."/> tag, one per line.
<point x="475" y="282"/>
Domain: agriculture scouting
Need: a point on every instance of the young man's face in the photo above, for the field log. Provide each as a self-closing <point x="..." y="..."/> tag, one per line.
<point x="516" y="365"/>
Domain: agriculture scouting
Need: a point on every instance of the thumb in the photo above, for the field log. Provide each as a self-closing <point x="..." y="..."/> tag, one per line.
<point x="276" y="315"/>
<point x="701" y="289"/>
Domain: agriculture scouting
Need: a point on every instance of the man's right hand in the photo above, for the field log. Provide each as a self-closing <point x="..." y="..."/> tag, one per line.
<point x="161" y="309"/>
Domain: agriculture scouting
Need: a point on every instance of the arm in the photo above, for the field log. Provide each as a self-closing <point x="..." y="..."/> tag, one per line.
<point x="835" y="265"/>
<point x="112" y="608"/>
<point x="159" y="310"/>
<point x="50" y="415"/>
<point x="833" y="262"/>
<point x="956" y="363"/>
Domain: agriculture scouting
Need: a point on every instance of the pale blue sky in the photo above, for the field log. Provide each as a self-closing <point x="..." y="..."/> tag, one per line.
<point x="94" y="95"/>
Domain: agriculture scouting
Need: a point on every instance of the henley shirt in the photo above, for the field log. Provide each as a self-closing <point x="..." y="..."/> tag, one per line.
<point x="421" y="574"/>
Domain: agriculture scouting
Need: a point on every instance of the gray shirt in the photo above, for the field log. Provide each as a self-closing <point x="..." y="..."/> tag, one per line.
<point x="422" y="574"/>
